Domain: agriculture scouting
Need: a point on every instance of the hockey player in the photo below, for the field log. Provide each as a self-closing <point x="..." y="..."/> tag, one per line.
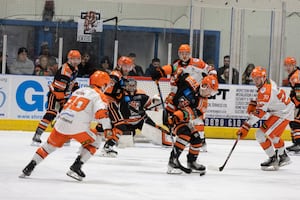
<point x="189" y="125"/>
<point x="59" y="91"/>
<point x="278" y="108"/>
<point x="186" y="75"/>
<point x="84" y="106"/>
<point x="115" y="93"/>
<point x="294" y="82"/>
<point x="131" y="109"/>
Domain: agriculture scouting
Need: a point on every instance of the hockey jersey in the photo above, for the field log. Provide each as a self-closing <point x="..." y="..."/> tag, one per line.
<point x="84" y="106"/>
<point x="64" y="80"/>
<point x="273" y="101"/>
<point x="294" y="81"/>
<point x="132" y="107"/>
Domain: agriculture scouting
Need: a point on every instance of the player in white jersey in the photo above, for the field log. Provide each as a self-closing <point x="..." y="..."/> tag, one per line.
<point x="277" y="107"/>
<point x="84" y="106"/>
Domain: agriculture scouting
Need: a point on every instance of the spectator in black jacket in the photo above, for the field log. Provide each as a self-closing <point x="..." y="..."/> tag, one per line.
<point x="137" y="70"/>
<point x="154" y="63"/>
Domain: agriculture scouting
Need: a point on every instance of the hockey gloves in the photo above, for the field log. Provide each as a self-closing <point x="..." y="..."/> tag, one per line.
<point x="75" y="86"/>
<point x="251" y="106"/>
<point x="157" y="73"/>
<point x="243" y="131"/>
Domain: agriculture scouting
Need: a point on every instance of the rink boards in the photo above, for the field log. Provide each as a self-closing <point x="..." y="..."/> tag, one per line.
<point x="23" y="100"/>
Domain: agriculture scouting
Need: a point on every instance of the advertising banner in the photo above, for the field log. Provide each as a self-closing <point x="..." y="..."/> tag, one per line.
<point x="25" y="98"/>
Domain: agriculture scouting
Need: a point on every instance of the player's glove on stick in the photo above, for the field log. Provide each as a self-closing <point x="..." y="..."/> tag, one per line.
<point x="243" y="131"/>
<point x="157" y="73"/>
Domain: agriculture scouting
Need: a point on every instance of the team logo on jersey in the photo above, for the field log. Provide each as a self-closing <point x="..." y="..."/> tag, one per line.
<point x="134" y="104"/>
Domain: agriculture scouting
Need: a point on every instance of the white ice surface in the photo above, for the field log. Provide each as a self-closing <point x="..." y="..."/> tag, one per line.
<point x="140" y="173"/>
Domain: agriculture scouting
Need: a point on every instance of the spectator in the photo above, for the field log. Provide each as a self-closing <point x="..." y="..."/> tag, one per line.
<point x="137" y="70"/>
<point x="246" y="77"/>
<point x="105" y="64"/>
<point x="6" y="69"/>
<point x="45" y="51"/>
<point x="226" y="64"/>
<point x="53" y="66"/>
<point x="224" y="78"/>
<point x="155" y="63"/>
<point x="22" y="65"/>
<point x="85" y="68"/>
<point x="42" y="68"/>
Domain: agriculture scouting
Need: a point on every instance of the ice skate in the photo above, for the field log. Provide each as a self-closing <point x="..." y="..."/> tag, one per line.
<point x="271" y="164"/>
<point x="36" y="140"/>
<point x="174" y="166"/>
<point x="295" y="148"/>
<point x="108" y="151"/>
<point x="75" y="170"/>
<point x="284" y="159"/>
<point x="28" y="169"/>
<point x="196" y="167"/>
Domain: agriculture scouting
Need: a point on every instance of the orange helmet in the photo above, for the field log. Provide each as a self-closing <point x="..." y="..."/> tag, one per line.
<point x="124" y="60"/>
<point x="74" y="54"/>
<point x="209" y="86"/>
<point x="99" y="78"/>
<point x="211" y="81"/>
<point x="185" y="48"/>
<point x="290" y="61"/>
<point x="259" y="71"/>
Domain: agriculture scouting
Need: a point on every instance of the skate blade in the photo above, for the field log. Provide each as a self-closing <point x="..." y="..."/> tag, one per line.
<point x="270" y="168"/>
<point x="108" y="155"/>
<point x="36" y="144"/>
<point x="293" y="153"/>
<point x="199" y="171"/>
<point x="285" y="163"/>
<point x="23" y="176"/>
<point x="172" y="170"/>
<point x="73" y="175"/>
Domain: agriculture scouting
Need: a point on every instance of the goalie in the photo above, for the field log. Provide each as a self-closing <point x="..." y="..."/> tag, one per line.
<point x="129" y="115"/>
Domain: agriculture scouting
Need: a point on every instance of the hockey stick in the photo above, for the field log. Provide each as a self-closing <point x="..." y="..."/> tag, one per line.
<point x="153" y="106"/>
<point x="149" y="121"/>
<point x="233" y="147"/>
<point x="181" y="167"/>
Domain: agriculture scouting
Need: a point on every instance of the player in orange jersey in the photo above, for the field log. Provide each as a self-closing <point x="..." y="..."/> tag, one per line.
<point x="277" y="107"/>
<point x="83" y="107"/>
<point x="115" y="93"/>
<point x="188" y="122"/>
<point x="294" y="81"/>
<point x="186" y="76"/>
<point x="59" y="91"/>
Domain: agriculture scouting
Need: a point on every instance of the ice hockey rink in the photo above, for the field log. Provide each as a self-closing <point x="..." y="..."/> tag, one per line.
<point x="139" y="172"/>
